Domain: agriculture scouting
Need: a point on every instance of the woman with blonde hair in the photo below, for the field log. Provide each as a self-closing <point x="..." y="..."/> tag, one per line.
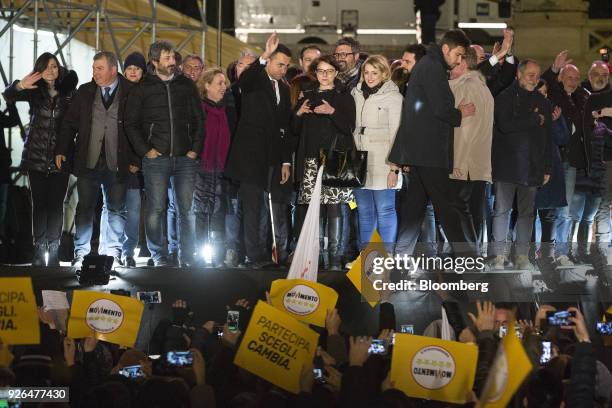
<point x="378" y="104"/>
<point x="220" y="124"/>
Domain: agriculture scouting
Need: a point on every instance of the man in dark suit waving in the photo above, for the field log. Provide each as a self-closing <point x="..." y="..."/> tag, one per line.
<point x="261" y="150"/>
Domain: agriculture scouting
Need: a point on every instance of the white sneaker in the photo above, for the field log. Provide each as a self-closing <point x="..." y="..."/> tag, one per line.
<point x="498" y="262"/>
<point x="564" y="260"/>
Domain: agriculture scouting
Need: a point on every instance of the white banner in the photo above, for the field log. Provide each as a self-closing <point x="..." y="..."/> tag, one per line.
<point x="305" y="264"/>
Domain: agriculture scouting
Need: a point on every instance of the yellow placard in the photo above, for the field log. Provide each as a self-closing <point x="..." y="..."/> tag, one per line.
<point x="361" y="273"/>
<point x="430" y="368"/>
<point x="276" y="346"/>
<point x="113" y="318"/>
<point x="510" y="367"/>
<point x="18" y="315"/>
<point x="305" y="300"/>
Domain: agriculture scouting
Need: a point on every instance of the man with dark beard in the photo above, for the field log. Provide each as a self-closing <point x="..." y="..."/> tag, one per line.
<point x="164" y="123"/>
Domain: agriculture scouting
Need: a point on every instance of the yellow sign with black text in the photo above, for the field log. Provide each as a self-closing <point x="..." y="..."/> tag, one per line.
<point x="510" y="367"/>
<point x="18" y="315"/>
<point x="430" y="368"/>
<point x="275" y="346"/>
<point x="305" y="300"/>
<point x="113" y="318"/>
<point x="362" y="274"/>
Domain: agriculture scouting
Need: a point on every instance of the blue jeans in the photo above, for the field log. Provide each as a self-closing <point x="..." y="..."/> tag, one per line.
<point x="563" y="217"/>
<point x="132" y="223"/>
<point x="114" y="191"/>
<point x="376" y="211"/>
<point x="179" y="173"/>
<point x="584" y="207"/>
<point x="173" y="230"/>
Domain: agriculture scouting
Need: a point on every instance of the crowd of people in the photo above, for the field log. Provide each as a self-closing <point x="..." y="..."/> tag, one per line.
<point x="572" y="371"/>
<point x="462" y="146"/>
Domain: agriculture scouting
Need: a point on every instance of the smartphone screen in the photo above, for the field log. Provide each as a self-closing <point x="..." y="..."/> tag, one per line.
<point x="134" y="371"/>
<point x="546" y="352"/>
<point x="604" y="328"/>
<point x="318" y="375"/>
<point x="560" y="318"/>
<point x="407" y="328"/>
<point x="180" y="358"/>
<point x="149" y="297"/>
<point x="377" y="347"/>
<point x="233" y="317"/>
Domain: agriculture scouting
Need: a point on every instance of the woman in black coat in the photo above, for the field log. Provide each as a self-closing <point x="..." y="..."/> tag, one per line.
<point x="49" y="90"/>
<point x="326" y="115"/>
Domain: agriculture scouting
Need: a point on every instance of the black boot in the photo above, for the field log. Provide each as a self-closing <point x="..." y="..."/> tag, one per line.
<point x="54" y="254"/>
<point x="334" y="237"/>
<point x="584" y="237"/>
<point x="39" y="254"/>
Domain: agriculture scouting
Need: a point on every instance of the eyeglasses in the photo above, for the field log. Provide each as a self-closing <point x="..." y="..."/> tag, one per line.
<point x="325" y="71"/>
<point x="342" y="55"/>
<point x="192" y="67"/>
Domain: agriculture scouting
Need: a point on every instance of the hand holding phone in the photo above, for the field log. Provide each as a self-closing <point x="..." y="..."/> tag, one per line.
<point x="561" y="318"/>
<point x="233" y="317"/>
<point x="377" y="347"/>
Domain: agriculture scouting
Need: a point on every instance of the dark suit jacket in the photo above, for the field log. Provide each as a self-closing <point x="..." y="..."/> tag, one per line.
<point x="76" y="128"/>
<point x="498" y="77"/>
<point x="425" y="136"/>
<point x="263" y="139"/>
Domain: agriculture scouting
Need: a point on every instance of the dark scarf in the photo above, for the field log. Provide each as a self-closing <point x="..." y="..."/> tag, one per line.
<point x="367" y="91"/>
<point x="217" y="141"/>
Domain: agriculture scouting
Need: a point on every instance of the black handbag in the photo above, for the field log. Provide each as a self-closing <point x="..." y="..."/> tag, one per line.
<point x="344" y="168"/>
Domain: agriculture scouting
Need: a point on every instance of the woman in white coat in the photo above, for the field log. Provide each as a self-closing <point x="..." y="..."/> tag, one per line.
<point x="379" y="106"/>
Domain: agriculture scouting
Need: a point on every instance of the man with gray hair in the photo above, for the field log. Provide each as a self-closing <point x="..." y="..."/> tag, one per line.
<point x="598" y="77"/>
<point x="472" y="141"/>
<point x="164" y="122"/>
<point x="93" y="130"/>
<point x="521" y="160"/>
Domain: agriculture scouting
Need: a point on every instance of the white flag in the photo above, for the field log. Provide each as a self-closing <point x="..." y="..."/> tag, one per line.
<point x="446" y="329"/>
<point x="305" y="264"/>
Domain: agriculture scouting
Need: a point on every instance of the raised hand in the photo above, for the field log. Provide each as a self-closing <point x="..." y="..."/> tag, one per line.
<point x="561" y="60"/>
<point x="486" y="316"/>
<point x="332" y="322"/>
<point x="29" y="80"/>
<point x="271" y="45"/>
<point x="358" y="351"/>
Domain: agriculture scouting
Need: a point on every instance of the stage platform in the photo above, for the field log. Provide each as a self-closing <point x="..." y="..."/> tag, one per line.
<point x="209" y="290"/>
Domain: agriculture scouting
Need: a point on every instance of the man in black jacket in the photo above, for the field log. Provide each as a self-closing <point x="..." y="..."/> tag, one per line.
<point x="424" y="142"/>
<point x="261" y="151"/>
<point x="521" y="159"/>
<point x="564" y="90"/>
<point x="164" y="122"/>
<point x="92" y="131"/>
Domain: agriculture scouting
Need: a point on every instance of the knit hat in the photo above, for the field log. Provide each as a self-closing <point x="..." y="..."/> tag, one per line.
<point x="136" y="59"/>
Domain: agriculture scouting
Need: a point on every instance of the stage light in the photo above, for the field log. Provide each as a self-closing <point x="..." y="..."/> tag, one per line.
<point x="500" y="26"/>
<point x="207" y="253"/>
<point x="46" y="257"/>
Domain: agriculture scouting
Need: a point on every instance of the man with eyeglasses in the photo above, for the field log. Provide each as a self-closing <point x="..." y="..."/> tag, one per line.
<point x="347" y="56"/>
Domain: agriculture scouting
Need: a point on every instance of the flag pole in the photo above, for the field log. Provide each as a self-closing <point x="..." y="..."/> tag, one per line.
<point x="274" y="250"/>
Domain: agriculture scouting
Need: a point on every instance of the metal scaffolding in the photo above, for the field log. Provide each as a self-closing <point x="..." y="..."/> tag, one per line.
<point x="69" y="18"/>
